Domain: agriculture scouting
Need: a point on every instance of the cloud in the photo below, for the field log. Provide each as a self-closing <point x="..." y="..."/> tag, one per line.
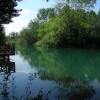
<point x="25" y="12"/>
<point x="19" y="22"/>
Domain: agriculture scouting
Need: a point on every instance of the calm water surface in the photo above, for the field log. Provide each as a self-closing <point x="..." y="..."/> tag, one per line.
<point x="51" y="74"/>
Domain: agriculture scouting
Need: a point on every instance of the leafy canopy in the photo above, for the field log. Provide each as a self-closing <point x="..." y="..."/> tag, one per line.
<point x="8" y="10"/>
<point x="83" y="4"/>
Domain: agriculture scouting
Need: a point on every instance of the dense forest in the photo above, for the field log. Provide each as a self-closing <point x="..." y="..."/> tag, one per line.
<point x="71" y="23"/>
<point x="63" y="26"/>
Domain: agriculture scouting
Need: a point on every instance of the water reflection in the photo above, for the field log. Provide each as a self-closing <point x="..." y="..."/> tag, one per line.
<point x="62" y="74"/>
<point x="36" y="87"/>
<point x="54" y="74"/>
<point x="73" y="90"/>
<point x="57" y="64"/>
<point x="6" y="68"/>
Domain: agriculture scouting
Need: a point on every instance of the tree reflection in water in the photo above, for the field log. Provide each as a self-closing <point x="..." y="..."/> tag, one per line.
<point x="6" y="68"/>
<point x="67" y="89"/>
<point x="71" y="90"/>
<point x="79" y="90"/>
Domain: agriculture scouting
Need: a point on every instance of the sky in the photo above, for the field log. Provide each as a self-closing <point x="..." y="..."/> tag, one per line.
<point x="29" y="11"/>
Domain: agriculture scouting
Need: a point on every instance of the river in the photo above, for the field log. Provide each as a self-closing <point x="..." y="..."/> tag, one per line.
<point x="51" y="74"/>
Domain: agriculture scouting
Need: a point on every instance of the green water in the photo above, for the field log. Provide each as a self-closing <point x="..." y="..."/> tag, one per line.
<point x="52" y="74"/>
<point x="61" y="63"/>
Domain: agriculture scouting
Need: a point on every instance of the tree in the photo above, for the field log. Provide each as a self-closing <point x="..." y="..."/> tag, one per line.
<point x="7" y="12"/>
<point x="2" y="35"/>
<point x="82" y="4"/>
<point x="78" y="4"/>
<point x="63" y="26"/>
<point x="28" y="36"/>
<point x="45" y="14"/>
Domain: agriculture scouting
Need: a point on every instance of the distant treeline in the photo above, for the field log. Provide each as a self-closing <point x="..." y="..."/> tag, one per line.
<point x="62" y="26"/>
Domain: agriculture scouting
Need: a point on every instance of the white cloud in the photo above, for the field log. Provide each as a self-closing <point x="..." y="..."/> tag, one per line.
<point x="19" y="22"/>
<point x="25" y="12"/>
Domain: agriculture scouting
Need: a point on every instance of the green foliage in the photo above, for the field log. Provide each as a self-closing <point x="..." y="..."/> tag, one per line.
<point x="7" y="12"/>
<point x="29" y="35"/>
<point x="70" y="27"/>
<point x="45" y="14"/>
<point x="12" y="38"/>
<point x="51" y="32"/>
<point x="63" y="26"/>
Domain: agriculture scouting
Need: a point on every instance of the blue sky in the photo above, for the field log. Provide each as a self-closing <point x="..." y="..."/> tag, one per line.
<point x="30" y="9"/>
<point x="97" y="6"/>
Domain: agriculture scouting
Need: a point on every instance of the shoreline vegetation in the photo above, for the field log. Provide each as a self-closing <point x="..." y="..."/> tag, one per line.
<point x="60" y="27"/>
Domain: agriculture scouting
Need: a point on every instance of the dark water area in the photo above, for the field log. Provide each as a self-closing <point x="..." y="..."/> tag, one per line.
<point x="51" y="74"/>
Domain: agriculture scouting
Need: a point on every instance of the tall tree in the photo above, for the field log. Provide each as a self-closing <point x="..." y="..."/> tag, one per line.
<point x="45" y="14"/>
<point x="7" y="12"/>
